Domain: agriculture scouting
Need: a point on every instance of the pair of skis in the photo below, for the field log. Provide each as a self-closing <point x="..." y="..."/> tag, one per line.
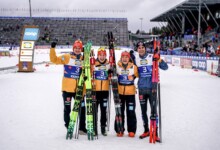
<point x="114" y="84"/>
<point x="85" y="78"/>
<point x="155" y="119"/>
<point x="94" y="101"/>
<point x="88" y="84"/>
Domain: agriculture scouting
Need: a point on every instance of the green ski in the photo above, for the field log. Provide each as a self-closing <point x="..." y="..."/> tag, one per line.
<point x="76" y="106"/>
<point x="88" y="83"/>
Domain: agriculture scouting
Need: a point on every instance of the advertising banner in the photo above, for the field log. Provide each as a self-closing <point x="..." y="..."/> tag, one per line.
<point x="186" y="62"/>
<point x="25" y="58"/>
<point x="31" y="34"/>
<point x="199" y="63"/>
<point x="176" y="61"/>
<point x="26" y="53"/>
<point x="27" y="45"/>
<point x="168" y="59"/>
<point x="212" y="65"/>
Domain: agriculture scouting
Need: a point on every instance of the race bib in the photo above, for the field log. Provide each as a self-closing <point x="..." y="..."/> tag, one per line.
<point x="145" y="71"/>
<point x="72" y="71"/>
<point x="123" y="79"/>
<point x="101" y="75"/>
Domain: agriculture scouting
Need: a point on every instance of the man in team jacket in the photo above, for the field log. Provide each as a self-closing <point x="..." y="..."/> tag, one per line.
<point x="144" y="62"/>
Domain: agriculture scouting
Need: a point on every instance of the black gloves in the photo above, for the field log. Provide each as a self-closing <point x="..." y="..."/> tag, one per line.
<point x="85" y="78"/>
<point x="131" y="52"/>
<point x="156" y="57"/>
<point x="53" y="44"/>
<point x="110" y="71"/>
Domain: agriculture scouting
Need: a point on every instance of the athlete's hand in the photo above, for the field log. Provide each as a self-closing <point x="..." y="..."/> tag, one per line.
<point x="53" y="44"/>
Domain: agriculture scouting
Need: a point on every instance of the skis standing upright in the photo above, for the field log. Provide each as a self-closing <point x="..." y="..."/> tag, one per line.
<point x="94" y="101"/>
<point x="155" y="100"/>
<point x="88" y="83"/>
<point x="75" y="113"/>
<point x="114" y="83"/>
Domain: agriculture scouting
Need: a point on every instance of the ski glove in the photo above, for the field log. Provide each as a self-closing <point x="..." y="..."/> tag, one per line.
<point x="110" y="71"/>
<point x="53" y="44"/>
<point x="156" y="57"/>
<point x="131" y="52"/>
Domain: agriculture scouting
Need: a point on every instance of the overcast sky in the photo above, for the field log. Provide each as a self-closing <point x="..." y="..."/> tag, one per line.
<point x="133" y="10"/>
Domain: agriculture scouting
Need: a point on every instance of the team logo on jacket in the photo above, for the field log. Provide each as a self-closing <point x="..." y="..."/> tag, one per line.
<point x="143" y="62"/>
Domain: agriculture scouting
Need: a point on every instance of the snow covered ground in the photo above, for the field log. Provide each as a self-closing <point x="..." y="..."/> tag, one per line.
<point x="31" y="112"/>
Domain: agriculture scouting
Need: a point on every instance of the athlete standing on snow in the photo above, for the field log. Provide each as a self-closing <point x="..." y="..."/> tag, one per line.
<point x="127" y="72"/>
<point x="144" y="62"/>
<point x="102" y="86"/>
<point x="72" y="68"/>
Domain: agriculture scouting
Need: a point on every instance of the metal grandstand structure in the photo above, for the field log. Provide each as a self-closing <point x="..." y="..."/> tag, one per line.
<point x="65" y="30"/>
<point x="190" y="14"/>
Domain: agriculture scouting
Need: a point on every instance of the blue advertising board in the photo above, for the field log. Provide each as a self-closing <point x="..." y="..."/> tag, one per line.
<point x="31" y="34"/>
<point x="199" y="63"/>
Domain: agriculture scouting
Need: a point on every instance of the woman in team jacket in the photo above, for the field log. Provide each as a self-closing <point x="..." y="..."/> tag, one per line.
<point x="127" y="72"/>
<point x="102" y="86"/>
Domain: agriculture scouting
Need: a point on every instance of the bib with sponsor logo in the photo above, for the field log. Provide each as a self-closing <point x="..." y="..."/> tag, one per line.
<point x="73" y="68"/>
<point x="123" y="76"/>
<point x="144" y="66"/>
<point x="101" y="72"/>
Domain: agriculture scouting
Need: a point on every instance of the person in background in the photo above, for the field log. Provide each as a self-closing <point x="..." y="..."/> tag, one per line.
<point x="72" y="63"/>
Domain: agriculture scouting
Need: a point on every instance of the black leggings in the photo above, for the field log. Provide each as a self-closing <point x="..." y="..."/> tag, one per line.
<point x="144" y="96"/>
<point x="102" y="99"/>
<point x="128" y="101"/>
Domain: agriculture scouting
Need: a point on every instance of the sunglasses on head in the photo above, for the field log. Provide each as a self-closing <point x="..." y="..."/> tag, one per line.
<point x="140" y="44"/>
<point x="101" y="49"/>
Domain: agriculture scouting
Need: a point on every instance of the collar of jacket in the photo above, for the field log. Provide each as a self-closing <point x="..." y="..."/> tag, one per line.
<point x="130" y="64"/>
<point x="74" y="56"/>
<point x="98" y="63"/>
